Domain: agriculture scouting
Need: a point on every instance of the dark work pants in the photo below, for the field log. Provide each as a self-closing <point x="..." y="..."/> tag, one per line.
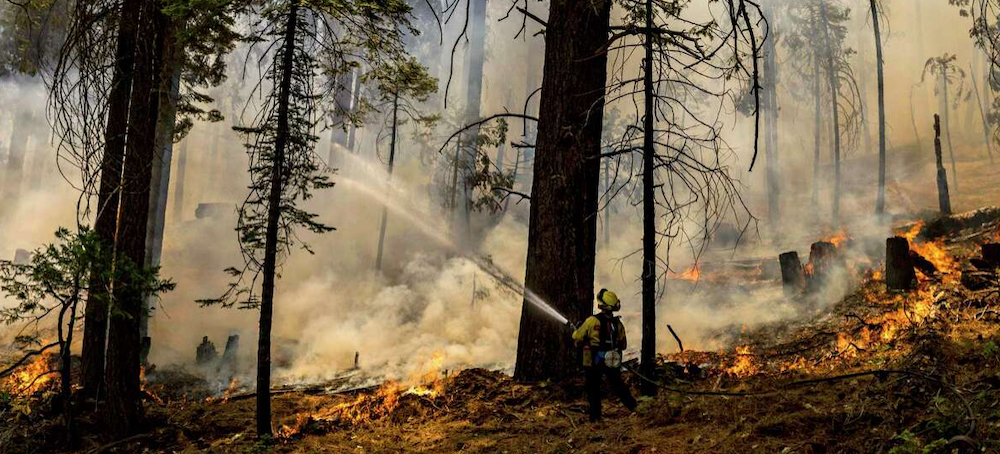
<point x="594" y="375"/>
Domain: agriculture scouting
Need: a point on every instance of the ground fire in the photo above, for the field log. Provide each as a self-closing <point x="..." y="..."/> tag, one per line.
<point x="409" y="226"/>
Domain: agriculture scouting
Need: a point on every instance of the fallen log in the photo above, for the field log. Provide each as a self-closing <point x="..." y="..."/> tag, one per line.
<point x="978" y="280"/>
<point x="899" y="273"/>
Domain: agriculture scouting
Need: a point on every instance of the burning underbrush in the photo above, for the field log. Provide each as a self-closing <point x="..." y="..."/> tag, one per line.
<point x="37" y="376"/>
<point x="877" y="370"/>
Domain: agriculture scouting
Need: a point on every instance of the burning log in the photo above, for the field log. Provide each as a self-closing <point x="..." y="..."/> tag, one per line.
<point x="206" y="352"/>
<point x="944" y="200"/>
<point x="926" y="267"/>
<point x="793" y="277"/>
<point x="991" y="254"/>
<point x="899" y="273"/>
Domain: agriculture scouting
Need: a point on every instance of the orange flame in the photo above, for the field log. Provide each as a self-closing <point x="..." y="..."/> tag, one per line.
<point x="33" y="377"/>
<point x="837" y="238"/>
<point x="145" y="387"/>
<point x="743" y="365"/>
<point x="933" y="251"/>
<point x="366" y="407"/>
<point x="230" y="390"/>
<point x="691" y="274"/>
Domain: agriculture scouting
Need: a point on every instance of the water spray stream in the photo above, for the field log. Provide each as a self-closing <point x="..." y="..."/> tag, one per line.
<point x="419" y="220"/>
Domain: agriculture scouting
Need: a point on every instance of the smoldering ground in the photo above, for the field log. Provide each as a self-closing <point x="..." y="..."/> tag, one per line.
<point x="431" y="301"/>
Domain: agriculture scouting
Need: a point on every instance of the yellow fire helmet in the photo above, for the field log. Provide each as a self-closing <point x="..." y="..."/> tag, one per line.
<point x="608" y="301"/>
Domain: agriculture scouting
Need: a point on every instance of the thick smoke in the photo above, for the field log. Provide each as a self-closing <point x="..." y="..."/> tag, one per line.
<point x="432" y="301"/>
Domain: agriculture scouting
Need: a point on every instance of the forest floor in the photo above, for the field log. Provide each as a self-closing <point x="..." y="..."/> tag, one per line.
<point x="879" y="372"/>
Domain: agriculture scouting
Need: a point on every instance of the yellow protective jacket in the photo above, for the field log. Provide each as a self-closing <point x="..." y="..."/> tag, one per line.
<point x="589" y="334"/>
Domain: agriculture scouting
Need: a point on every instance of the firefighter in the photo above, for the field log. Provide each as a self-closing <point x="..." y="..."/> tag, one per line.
<point x="602" y="337"/>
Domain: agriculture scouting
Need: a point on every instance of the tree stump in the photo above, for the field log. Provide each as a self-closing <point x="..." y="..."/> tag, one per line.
<point x="899" y="273"/>
<point x="793" y="277"/>
<point x="206" y="353"/>
<point x="823" y="260"/>
<point x="991" y="254"/>
<point x="944" y="199"/>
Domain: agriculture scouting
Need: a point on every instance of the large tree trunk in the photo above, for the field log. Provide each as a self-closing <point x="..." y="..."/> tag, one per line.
<point x="947" y="125"/>
<point x="106" y="224"/>
<point x="388" y="181"/>
<point x="273" y="218"/>
<point x="982" y="116"/>
<point x="20" y="136"/>
<point x="123" y="407"/>
<point x="880" y="198"/>
<point x="562" y="232"/>
<point x="182" y="157"/>
<point x="771" y="122"/>
<point x="473" y="101"/>
<point x="817" y="132"/>
<point x="169" y="95"/>
<point x="834" y="79"/>
<point x="648" y="353"/>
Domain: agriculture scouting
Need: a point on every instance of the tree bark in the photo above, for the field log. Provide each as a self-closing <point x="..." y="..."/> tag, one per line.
<point x="123" y="407"/>
<point x="834" y="80"/>
<point x="944" y="198"/>
<point x="562" y="232"/>
<point x="899" y="273"/>
<point x="108" y="201"/>
<point x="273" y="218"/>
<point x="879" y="65"/>
<point x="648" y="353"/>
<point x="388" y="181"/>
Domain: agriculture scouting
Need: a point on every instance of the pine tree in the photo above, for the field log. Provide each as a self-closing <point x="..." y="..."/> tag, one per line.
<point x="284" y="168"/>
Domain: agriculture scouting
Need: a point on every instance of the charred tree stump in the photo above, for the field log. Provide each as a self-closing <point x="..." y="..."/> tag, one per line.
<point x="899" y="273"/>
<point x="206" y="353"/>
<point x="229" y="362"/>
<point x="823" y="260"/>
<point x="793" y="277"/>
<point x="944" y="199"/>
<point x="991" y="254"/>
